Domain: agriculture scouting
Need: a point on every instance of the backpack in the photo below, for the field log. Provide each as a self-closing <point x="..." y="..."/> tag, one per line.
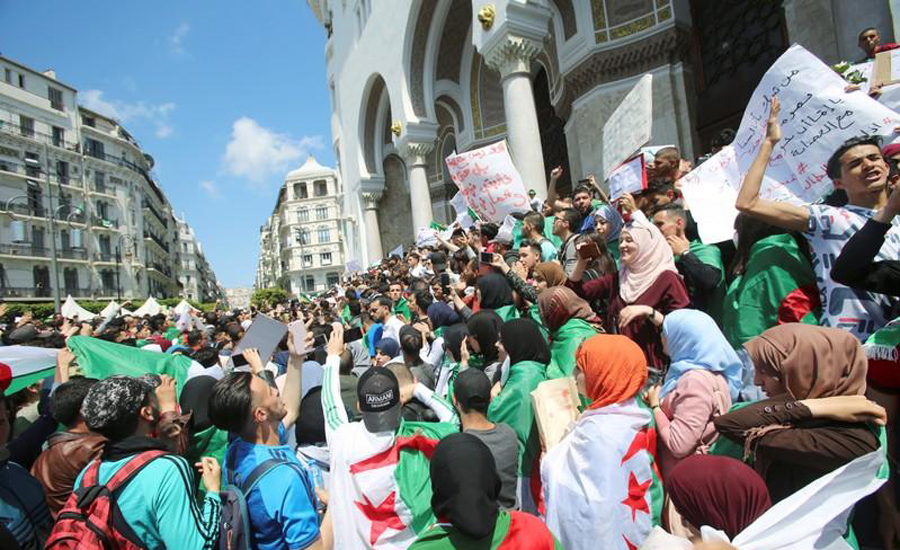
<point x="90" y="520"/>
<point x="234" y="527"/>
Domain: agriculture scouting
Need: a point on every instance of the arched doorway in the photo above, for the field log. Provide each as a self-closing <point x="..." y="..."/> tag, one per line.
<point x="553" y="135"/>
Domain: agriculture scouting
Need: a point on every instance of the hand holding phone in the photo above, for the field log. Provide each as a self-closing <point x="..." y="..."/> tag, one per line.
<point x="588" y="250"/>
<point x="486" y="258"/>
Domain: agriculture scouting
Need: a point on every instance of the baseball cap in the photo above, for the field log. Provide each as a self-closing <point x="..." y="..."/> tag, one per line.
<point x="472" y="390"/>
<point x="439" y="261"/>
<point x="379" y="400"/>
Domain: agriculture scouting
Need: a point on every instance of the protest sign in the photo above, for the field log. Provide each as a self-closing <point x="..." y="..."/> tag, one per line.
<point x="817" y="115"/>
<point x="629" y="177"/>
<point x="489" y="182"/>
<point x="629" y="127"/>
<point x="425" y="237"/>
<point x="710" y="191"/>
<point x="264" y="334"/>
<point x="886" y="68"/>
<point x="353" y="266"/>
<point x="555" y="405"/>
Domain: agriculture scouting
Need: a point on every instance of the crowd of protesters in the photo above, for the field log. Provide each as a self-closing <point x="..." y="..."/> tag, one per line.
<point x="714" y="381"/>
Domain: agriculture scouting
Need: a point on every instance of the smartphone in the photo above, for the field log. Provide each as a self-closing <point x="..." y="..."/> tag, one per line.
<point x="298" y="335"/>
<point x="238" y="360"/>
<point x="589" y="250"/>
<point x="352" y="335"/>
<point x="486" y="257"/>
<point x="445" y="283"/>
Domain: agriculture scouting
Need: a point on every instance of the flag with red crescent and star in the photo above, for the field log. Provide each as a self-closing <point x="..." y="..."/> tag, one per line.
<point x="601" y="486"/>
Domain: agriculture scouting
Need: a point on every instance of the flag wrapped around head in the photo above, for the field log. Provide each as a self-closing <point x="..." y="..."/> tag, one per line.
<point x="883" y="351"/>
<point x="21" y="366"/>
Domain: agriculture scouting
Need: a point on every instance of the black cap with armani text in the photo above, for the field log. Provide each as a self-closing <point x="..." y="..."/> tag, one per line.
<point x="379" y="400"/>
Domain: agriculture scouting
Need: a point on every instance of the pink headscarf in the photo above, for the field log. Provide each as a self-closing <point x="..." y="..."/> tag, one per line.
<point x="652" y="258"/>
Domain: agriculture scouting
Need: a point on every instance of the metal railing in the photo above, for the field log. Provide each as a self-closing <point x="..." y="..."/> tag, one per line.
<point x="162" y="244"/>
<point x="98" y="221"/>
<point x="32" y="134"/>
<point x="24" y="249"/>
<point x="159" y="216"/>
<point x="24" y="292"/>
<point x="104" y="257"/>
<point x="117" y="161"/>
<point x="72" y="253"/>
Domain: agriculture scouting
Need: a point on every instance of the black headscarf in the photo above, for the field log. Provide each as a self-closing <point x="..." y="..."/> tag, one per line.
<point x="310" y="426"/>
<point x="495" y="291"/>
<point x="454" y="339"/>
<point x="195" y="400"/>
<point x="465" y="485"/>
<point x="484" y="326"/>
<point x="523" y="341"/>
<point x="442" y="315"/>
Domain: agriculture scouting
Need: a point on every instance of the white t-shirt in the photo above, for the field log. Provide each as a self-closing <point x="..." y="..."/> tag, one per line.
<point x="858" y="311"/>
<point x="392" y="328"/>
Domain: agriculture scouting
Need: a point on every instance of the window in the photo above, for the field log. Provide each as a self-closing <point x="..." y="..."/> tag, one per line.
<point x="8" y="76"/>
<point x="333" y="279"/>
<point x="32" y="169"/>
<point x="37" y="237"/>
<point x="321" y="212"/>
<point x="324" y="234"/>
<point x="99" y="181"/>
<point x="70" y="276"/>
<point x="89" y="121"/>
<point x="321" y="188"/>
<point x="56" y="98"/>
<point x="307" y="260"/>
<point x="309" y="283"/>
<point x="325" y="258"/>
<point x="108" y="280"/>
<point x="303" y="215"/>
<point x="62" y="171"/>
<point x="94" y="148"/>
<point x="105" y="248"/>
<point x="302" y="236"/>
<point x="21" y="80"/>
<point x="300" y="191"/>
<point x="59" y="136"/>
<point x="26" y="126"/>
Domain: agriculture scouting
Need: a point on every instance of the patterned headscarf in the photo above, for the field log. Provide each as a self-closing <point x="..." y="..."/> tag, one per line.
<point x="559" y="304"/>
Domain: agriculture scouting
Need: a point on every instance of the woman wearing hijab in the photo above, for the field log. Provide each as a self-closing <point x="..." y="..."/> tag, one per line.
<point x="816" y="418"/>
<point x="484" y="331"/>
<point x="454" y="343"/>
<point x="465" y="487"/>
<point x="647" y="276"/>
<point x="608" y="223"/>
<point x="548" y="274"/>
<point x="494" y="293"/>
<point x="702" y="382"/>
<point x="385" y="350"/>
<point x="205" y="439"/>
<point x="440" y="316"/>
<point x="600" y="483"/>
<point x="528" y="357"/>
<point x="570" y="321"/>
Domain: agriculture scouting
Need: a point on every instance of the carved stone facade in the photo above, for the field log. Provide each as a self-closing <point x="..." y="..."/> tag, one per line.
<point x="540" y="73"/>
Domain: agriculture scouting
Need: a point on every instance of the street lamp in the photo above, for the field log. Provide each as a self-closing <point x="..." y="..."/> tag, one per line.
<point x="36" y="164"/>
<point x="127" y="241"/>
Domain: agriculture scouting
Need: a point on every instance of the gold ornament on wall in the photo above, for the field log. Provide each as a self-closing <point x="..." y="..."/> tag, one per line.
<point x="396" y="127"/>
<point x="486" y="16"/>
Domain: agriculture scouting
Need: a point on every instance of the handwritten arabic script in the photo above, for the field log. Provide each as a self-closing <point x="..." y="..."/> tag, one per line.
<point x="489" y="181"/>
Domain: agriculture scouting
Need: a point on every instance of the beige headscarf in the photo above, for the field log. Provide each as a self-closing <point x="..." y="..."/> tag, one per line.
<point x="653" y="257"/>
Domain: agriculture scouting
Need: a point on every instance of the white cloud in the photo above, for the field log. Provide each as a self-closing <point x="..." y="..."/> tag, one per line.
<point x="125" y="111"/>
<point x="255" y="152"/>
<point x="210" y="188"/>
<point x="176" y="39"/>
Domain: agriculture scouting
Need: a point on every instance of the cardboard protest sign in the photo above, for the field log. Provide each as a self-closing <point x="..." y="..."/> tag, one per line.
<point x="264" y="334"/>
<point x="817" y="115"/>
<point x="629" y="127"/>
<point x="555" y="405"/>
<point x="489" y="182"/>
<point x="710" y="191"/>
<point x="629" y="177"/>
<point x="886" y="68"/>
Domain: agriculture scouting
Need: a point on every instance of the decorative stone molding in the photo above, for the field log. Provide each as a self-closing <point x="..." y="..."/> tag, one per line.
<point x="486" y="16"/>
<point x="396" y="128"/>
<point x="512" y="55"/>
<point x="370" y="200"/>
<point x="416" y="153"/>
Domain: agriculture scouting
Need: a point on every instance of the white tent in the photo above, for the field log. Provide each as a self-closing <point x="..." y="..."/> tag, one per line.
<point x="150" y="307"/>
<point x="123" y="311"/>
<point x="70" y="309"/>
<point x="111" y="308"/>
<point x="182" y="307"/>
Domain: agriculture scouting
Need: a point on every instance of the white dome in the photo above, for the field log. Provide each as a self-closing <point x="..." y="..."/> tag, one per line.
<point x="309" y="169"/>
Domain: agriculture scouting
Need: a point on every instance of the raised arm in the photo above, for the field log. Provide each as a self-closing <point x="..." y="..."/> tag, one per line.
<point x="780" y="214"/>
<point x="552" y="197"/>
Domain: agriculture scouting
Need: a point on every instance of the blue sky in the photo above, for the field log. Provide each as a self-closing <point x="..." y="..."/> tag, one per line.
<point x="227" y="96"/>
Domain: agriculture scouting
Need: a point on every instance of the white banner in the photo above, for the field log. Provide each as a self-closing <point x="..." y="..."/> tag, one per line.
<point x="629" y="127"/>
<point x="710" y="191"/>
<point x="817" y="116"/>
<point x="489" y="181"/>
<point x="630" y="177"/>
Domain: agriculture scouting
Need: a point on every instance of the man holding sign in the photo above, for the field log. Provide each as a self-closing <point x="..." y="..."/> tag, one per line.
<point x="858" y="168"/>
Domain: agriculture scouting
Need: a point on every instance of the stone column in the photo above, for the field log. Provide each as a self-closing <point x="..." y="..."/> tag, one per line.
<point x="419" y="197"/>
<point x="512" y="56"/>
<point x="370" y="223"/>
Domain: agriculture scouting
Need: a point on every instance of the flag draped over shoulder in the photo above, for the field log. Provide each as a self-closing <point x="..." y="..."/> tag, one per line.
<point x="511" y="529"/>
<point x="101" y="359"/>
<point x="564" y="344"/>
<point x="397" y="507"/>
<point x="21" y="366"/>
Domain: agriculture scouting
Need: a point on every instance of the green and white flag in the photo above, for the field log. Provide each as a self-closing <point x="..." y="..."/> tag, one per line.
<point x="21" y="366"/>
<point x="100" y="359"/>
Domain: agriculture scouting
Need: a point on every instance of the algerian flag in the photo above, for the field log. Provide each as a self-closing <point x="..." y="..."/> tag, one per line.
<point x="100" y="359"/>
<point x="391" y="490"/>
<point x="21" y="366"/>
<point x="604" y="469"/>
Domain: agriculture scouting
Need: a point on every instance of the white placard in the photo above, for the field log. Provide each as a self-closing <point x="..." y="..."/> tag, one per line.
<point x="710" y="191"/>
<point x="629" y="127"/>
<point x="630" y="177"/>
<point x="426" y="237"/>
<point x="489" y="181"/>
<point x="817" y="116"/>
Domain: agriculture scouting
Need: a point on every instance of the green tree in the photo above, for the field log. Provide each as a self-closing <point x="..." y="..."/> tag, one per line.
<point x="268" y="297"/>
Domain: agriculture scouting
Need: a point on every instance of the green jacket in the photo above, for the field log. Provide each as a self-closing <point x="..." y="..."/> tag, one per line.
<point x="507" y="313"/>
<point x="563" y="345"/>
<point x="513" y="407"/>
<point x="710" y="255"/>
<point x="402" y="308"/>
<point x="778" y="285"/>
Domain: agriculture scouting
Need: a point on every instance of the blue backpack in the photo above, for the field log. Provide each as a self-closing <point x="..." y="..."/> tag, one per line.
<point x="235" y="532"/>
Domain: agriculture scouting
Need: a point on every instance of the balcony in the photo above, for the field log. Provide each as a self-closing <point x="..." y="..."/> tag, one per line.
<point x="159" y="242"/>
<point x="29" y="133"/>
<point x="104" y="257"/>
<point x="103" y="188"/>
<point x="99" y="221"/>
<point x="107" y="291"/>
<point x="76" y="292"/>
<point x="118" y="162"/>
<point x="164" y="269"/>
<point x="160" y="217"/>
<point x="24" y="249"/>
<point x="24" y="292"/>
<point x="72" y="254"/>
